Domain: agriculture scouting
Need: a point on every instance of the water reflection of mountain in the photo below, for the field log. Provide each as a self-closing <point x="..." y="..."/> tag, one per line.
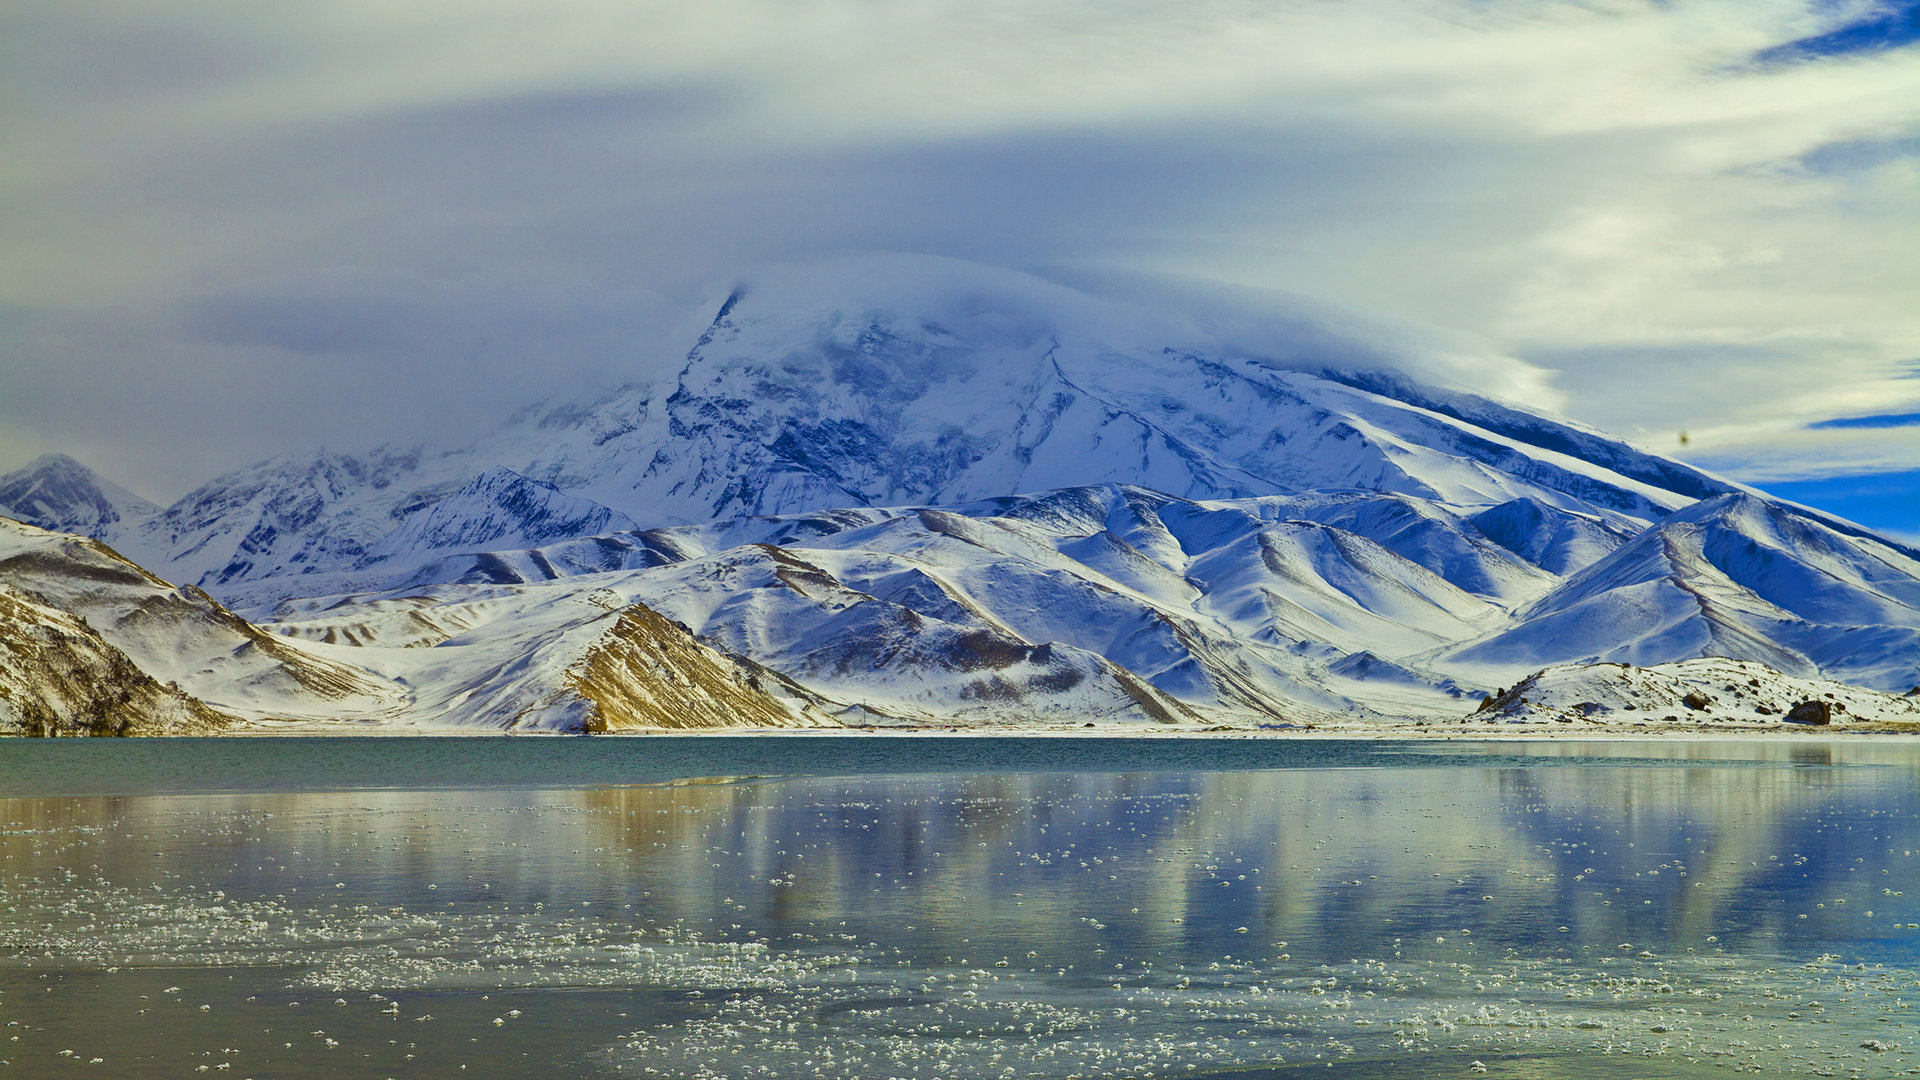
<point x="1740" y="853"/>
<point x="1325" y="864"/>
<point x="1332" y="861"/>
<point x="1900" y="753"/>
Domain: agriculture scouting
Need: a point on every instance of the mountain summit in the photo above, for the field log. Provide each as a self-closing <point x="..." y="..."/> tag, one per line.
<point x="56" y="492"/>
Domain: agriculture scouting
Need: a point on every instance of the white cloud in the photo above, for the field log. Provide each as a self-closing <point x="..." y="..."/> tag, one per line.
<point x="1809" y="455"/>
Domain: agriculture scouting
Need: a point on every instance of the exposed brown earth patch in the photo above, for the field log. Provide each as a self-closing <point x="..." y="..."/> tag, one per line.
<point x="650" y="672"/>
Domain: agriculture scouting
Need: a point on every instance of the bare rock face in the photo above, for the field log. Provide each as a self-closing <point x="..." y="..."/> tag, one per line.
<point x="1697" y="701"/>
<point x="1814" y="711"/>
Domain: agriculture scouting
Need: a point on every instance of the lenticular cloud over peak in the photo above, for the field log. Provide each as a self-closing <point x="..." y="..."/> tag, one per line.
<point x="1129" y="312"/>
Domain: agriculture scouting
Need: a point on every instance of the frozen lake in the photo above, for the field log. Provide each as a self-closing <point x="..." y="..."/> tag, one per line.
<point x="885" y="907"/>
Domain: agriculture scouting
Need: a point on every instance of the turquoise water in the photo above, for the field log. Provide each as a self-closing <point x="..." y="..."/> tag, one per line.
<point x="150" y="766"/>
<point x="962" y="907"/>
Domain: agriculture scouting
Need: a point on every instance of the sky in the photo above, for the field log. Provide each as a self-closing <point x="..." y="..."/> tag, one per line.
<point x="230" y="229"/>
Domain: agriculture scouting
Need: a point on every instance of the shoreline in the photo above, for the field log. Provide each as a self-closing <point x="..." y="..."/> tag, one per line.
<point x="1892" y="731"/>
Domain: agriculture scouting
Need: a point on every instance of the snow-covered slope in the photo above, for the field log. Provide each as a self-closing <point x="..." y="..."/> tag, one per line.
<point x="324" y="515"/>
<point x="90" y="643"/>
<point x="1736" y="576"/>
<point x="56" y="492"/>
<point x="890" y="643"/>
<point x="591" y="660"/>
<point x="1108" y="603"/>
<point x="499" y="509"/>
<point x="291" y="515"/>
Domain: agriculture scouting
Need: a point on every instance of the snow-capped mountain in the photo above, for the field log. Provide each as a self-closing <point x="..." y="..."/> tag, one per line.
<point x="921" y="491"/>
<point x="295" y="514"/>
<point x="880" y="390"/>
<point x="795" y="400"/>
<point x="56" y="492"/>
<point x="324" y="513"/>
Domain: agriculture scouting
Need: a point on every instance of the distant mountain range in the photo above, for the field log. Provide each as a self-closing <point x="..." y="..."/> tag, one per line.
<point x="957" y="495"/>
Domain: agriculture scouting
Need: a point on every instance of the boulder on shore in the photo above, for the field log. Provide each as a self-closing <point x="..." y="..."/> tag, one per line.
<point x="1814" y="711"/>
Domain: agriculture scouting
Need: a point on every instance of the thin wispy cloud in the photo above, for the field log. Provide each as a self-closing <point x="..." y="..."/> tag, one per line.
<point x="353" y="223"/>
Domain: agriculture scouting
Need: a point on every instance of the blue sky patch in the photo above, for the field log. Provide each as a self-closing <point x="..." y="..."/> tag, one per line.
<point x="1889" y="26"/>
<point x="1888" y="501"/>
<point x="1884" y="420"/>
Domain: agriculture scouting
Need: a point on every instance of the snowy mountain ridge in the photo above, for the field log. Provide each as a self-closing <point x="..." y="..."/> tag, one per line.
<point x="929" y="492"/>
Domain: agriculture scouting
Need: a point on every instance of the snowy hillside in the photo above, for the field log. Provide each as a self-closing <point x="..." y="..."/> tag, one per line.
<point x="1107" y="603"/>
<point x="1711" y="692"/>
<point x="181" y="636"/>
<point x="590" y="660"/>
<point x="91" y="643"/>
<point x="1114" y="604"/>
